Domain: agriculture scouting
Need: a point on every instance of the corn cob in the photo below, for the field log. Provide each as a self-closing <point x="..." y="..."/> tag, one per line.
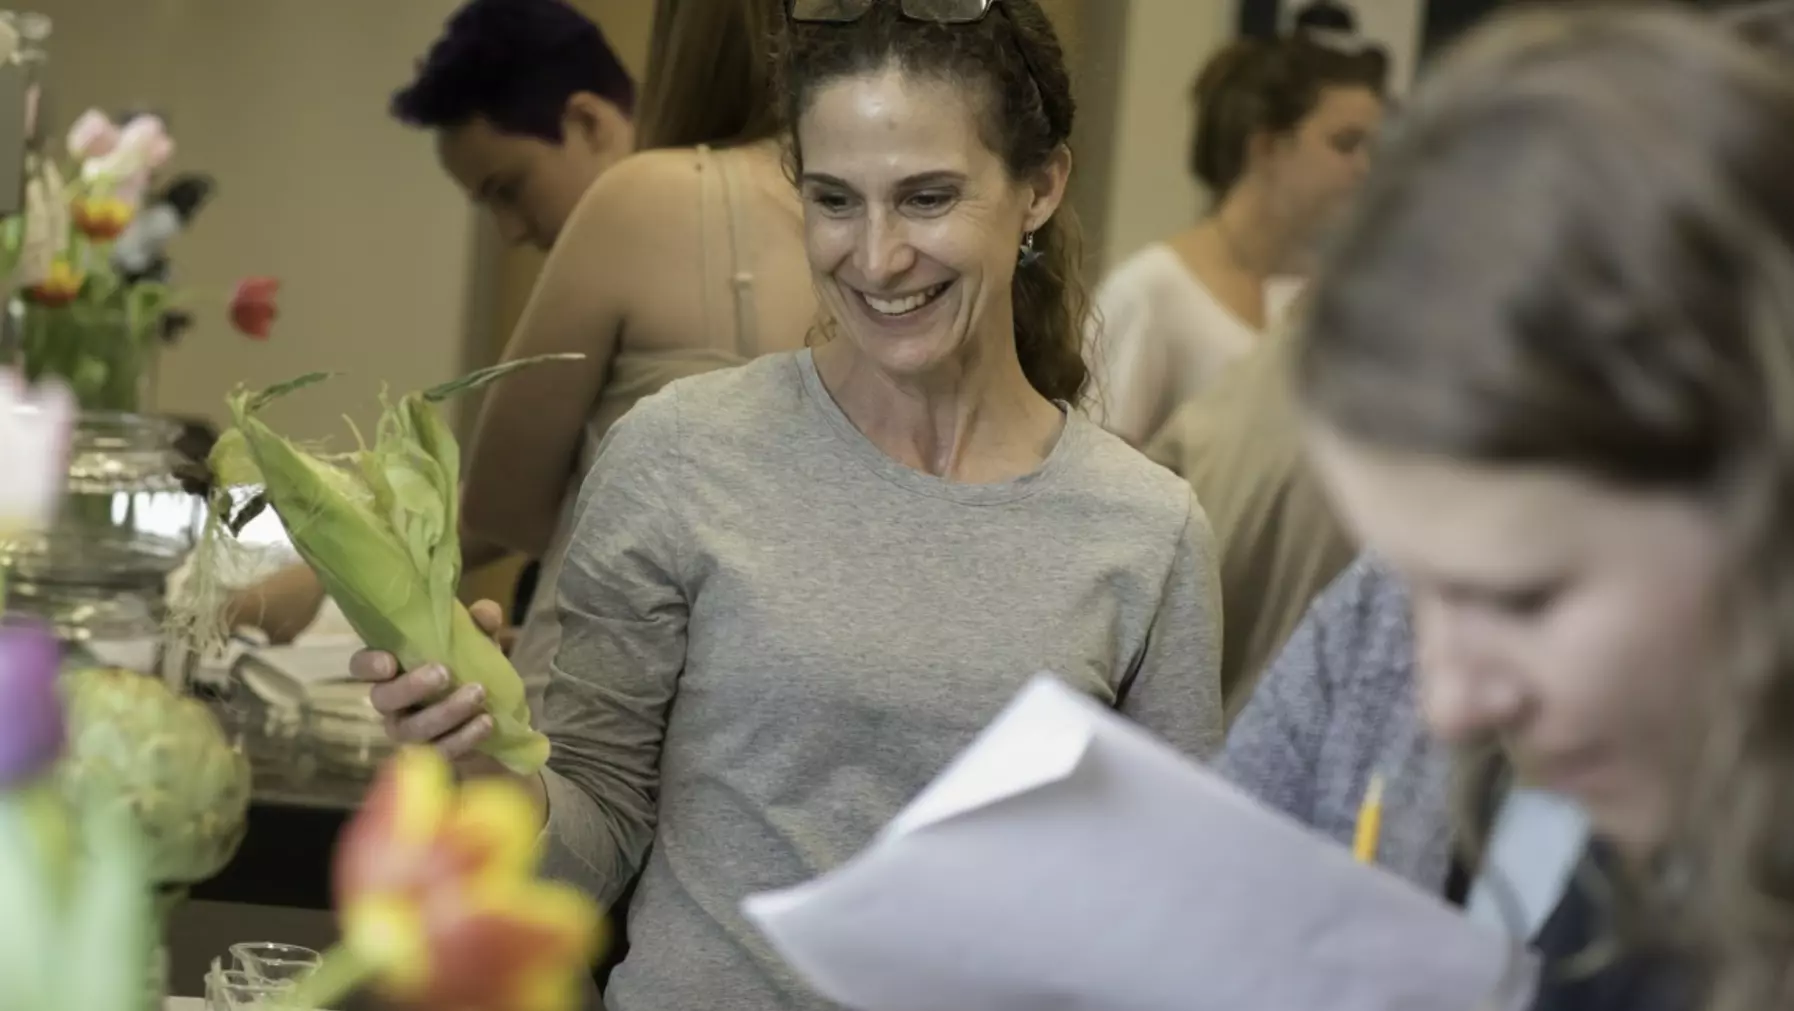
<point x="380" y="527"/>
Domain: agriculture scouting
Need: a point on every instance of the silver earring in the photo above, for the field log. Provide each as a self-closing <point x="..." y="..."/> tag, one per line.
<point x="1029" y="255"/>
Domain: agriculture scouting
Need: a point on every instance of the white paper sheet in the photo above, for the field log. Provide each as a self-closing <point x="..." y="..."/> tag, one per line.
<point x="1069" y="862"/>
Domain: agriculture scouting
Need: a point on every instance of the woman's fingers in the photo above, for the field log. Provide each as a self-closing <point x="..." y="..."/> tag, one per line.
<point x="373" y="665"/>
<point x="419" y="706"/>
<point x="464" y="741"/>
<point x="488" y="616"/>
<point x="442" y="719"/>
<point x="411" y="690"/>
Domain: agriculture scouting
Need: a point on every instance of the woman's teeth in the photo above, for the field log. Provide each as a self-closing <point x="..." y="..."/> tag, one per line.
<point x="908" y="304"/>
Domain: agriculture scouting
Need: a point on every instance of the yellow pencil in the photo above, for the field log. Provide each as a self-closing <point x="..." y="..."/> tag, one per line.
<point x="1370" y="823"/>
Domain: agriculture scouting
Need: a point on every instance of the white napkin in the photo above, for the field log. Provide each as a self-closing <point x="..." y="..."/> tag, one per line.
<point x="1068" y="861"/>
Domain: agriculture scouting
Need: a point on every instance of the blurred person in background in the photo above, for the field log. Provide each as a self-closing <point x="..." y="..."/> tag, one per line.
<point x="529" y="105"/>
<point x="1239" y="445"/>
<point x="1284" y="129"/>
<point x="1236" y="440"/>
<point x="684" y="258"/>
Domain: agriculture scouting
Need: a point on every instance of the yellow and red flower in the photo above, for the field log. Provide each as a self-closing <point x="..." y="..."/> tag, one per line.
<point x="103" y="219"/>
<point x="58" y="288"/>
<point x="439" y="903"/>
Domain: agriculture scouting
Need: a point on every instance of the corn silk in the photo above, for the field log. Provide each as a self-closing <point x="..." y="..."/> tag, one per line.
<point x="379" y="527"/>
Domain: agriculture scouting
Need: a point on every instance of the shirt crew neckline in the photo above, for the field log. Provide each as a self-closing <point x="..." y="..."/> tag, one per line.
<point x="868" y="455"/>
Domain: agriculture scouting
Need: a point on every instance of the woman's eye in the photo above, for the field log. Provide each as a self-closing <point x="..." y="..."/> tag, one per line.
<point x="930" y="201"/>
<point x="830" y="202"/>
<point x="1522" y="603"/>
<point x="1528" y="603"/>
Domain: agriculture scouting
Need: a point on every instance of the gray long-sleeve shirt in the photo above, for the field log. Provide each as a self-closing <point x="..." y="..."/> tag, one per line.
<point x="774" y="636"/>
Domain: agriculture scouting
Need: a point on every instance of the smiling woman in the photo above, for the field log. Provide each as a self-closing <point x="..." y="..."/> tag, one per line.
<point x="796" y="589"/>
<point x="933" y="209"/>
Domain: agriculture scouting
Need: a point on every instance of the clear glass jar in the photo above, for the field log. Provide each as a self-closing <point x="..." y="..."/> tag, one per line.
<point x="99" y="574"/>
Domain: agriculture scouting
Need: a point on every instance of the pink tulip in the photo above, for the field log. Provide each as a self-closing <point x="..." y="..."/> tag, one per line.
<point x="143" y="146"/>
<point x="147" y="136"/>
<point x="34" y="434"/>
<point x="92" y="136"/>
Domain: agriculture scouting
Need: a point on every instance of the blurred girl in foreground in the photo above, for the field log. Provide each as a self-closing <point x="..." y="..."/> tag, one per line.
<point x="1549" y="379"/>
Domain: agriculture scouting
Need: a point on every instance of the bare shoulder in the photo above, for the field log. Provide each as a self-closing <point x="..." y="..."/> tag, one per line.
<point x="647" y="180"/>
<point x="641" y="212"/>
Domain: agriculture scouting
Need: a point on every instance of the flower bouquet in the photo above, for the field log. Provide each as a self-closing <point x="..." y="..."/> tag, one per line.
<point x="87" y="260"/>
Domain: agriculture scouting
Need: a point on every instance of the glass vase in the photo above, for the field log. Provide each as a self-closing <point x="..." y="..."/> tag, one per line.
<point x="99" y="574"/>
<point x="106" y="356"/>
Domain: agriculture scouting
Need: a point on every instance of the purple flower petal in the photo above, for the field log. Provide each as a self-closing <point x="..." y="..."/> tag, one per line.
<point x="31" y="716"/>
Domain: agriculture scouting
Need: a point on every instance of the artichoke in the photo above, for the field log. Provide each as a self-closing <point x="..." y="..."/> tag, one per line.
<point x="133" y="740"/>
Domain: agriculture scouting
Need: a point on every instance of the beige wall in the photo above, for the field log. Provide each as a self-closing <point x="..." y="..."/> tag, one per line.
<point x="1141" y="59"/>
<point x="284" y="101"/>
<point x="389" y="276"/>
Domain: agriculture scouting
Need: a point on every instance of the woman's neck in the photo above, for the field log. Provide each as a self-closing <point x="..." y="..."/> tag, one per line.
<point x="975" y="419"/>
<point x="1253" y="238"/>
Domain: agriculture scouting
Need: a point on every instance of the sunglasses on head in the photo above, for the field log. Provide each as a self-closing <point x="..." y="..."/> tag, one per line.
<point x="940" y="12"/>
<point x="945" y="12"/>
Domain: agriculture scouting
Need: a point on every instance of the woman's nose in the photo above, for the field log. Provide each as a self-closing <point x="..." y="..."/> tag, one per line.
<point x="1467" y="690"/>
<point x="885" y="253"/>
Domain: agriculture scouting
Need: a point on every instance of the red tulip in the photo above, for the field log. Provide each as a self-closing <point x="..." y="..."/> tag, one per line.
<point x="439" y="904"/>
<point x="252" y="308"/>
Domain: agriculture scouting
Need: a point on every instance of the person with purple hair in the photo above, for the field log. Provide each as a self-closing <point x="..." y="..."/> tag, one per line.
<point x="529" y="106"/>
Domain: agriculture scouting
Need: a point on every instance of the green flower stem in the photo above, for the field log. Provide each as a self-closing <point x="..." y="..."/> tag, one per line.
<point x="49" y="822"/>
<point x="100" y="349"/>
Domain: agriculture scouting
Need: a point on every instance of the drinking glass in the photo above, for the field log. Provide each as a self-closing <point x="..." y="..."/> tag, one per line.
<point x="271" y="962"/>
<point x="235" y="990"/>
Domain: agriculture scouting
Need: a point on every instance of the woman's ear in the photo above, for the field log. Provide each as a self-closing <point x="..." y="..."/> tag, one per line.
<point x="1261" y="147"/>
<point x="1047" y="185"/>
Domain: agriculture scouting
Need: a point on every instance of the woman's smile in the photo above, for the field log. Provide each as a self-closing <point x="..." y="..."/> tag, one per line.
<point x="903" y="304"/>
<point x="905" y="314"/>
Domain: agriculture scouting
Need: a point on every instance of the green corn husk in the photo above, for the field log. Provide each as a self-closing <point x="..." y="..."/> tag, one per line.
<point x="380" y="527"/>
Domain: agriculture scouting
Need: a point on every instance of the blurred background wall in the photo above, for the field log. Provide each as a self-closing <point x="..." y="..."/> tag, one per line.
<point x="390" y="276"/>
<point x="284" y="102"/>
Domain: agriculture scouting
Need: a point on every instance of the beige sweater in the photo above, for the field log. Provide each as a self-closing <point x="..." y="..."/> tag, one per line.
<point x="1239" y="444"/>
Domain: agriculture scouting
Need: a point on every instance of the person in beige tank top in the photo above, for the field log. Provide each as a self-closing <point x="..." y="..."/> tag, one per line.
<point x="684" y="257"/>
<point x="528" y="105"/>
